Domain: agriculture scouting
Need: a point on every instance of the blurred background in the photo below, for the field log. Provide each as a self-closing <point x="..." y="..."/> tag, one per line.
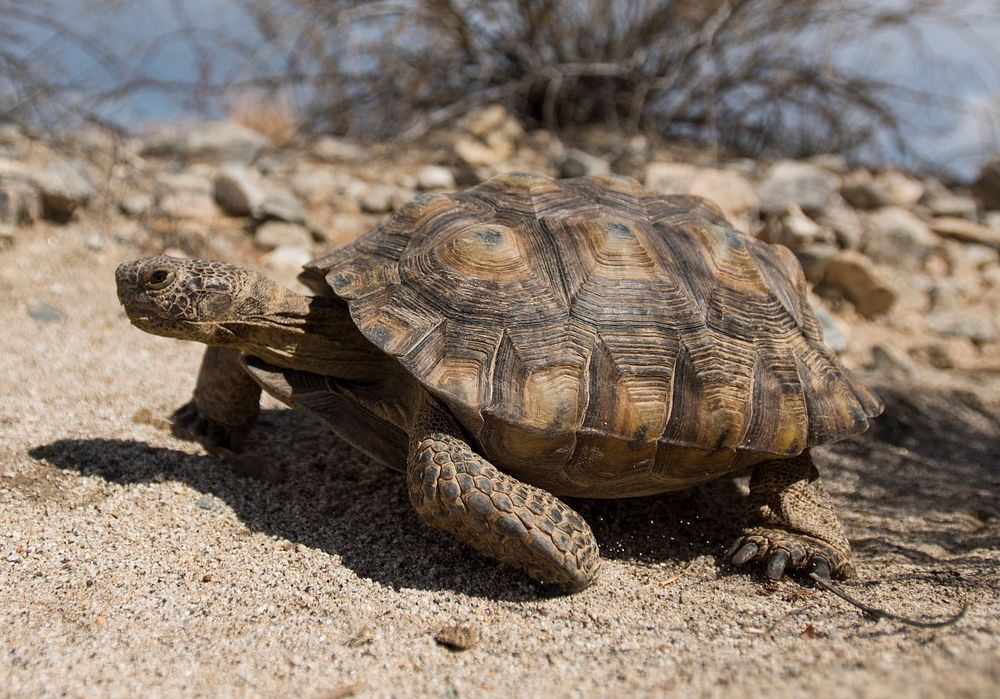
<point x="912" y="82"/>
<point x="863" y="136"/>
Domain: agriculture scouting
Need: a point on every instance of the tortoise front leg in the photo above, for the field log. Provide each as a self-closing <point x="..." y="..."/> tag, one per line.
<point x="792" y="523"/>
<point x="456" y="490"/>
<point x="225" y="404"/>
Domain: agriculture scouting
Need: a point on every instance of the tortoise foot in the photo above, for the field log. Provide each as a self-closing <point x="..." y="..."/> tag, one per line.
<point x="190" y="423"/>
<point x="786" y="551"/>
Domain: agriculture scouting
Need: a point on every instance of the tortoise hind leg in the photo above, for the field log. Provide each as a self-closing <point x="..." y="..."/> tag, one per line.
<point x="455" y="489"/>
<point x="225" y="404"/>
<point x="792" y="523"/>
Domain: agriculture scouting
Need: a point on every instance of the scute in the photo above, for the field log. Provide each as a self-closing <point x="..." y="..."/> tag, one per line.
<point x="605" y="339"/>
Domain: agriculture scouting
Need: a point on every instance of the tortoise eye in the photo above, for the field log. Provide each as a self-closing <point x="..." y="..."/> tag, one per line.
<point x="158" y="279"/>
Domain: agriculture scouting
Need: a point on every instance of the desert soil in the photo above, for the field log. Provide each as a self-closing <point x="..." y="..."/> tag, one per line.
<point x="134" y="564"/>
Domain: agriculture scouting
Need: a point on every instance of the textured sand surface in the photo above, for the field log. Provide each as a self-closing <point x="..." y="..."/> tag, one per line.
<point x="133" y="564"/>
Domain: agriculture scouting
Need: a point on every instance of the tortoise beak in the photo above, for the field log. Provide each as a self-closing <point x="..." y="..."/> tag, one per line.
<point x="126" y="279"/>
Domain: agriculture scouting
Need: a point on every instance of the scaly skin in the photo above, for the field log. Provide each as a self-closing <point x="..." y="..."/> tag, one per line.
<point x="791" y="522"/>
<point x="225" y="404"/>
<point x="456" y="490"/>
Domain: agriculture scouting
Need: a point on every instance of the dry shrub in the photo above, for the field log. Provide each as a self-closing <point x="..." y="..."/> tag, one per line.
<point x="273" y="117"/>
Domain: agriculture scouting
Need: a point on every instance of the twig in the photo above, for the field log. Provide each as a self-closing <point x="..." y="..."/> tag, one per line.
<point x="875" y="614"/>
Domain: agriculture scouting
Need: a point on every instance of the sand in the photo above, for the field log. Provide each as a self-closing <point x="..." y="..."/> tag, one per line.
<point x="134" y="564"/>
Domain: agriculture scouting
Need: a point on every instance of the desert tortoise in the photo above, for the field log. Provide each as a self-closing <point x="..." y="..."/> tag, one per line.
<point x="529" y="338"/>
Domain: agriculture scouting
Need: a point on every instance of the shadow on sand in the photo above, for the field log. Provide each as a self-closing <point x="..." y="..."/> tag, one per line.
<point x="931" y="452"/>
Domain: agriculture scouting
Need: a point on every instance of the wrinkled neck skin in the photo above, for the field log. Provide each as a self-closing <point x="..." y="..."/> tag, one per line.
<point x="308" y="333"/>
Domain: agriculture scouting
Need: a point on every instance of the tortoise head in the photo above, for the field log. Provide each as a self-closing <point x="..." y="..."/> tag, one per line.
<point x="188" y="299"/>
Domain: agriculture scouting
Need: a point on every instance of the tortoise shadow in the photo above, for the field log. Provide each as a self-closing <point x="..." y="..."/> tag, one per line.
<point x="932" y="452"/>
<point x="319" y="492"/>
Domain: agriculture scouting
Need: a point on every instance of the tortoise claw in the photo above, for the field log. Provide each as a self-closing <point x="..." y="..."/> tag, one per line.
<point x="189" y="423"/>
<point x="776" y="566"/>
<point x="746" y="553"/>
<point x="820" y="566"/>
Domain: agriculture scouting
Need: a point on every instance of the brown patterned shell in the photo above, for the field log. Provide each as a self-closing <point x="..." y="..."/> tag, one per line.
<point x="595" y="338"/>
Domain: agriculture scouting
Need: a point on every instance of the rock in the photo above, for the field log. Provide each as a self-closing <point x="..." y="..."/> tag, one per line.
<point x="276" y="234"/>
<point x="730" y="190"/>
<point x="835" y="333"/>
<point x="966" y="231"/>
<point x="279" y="204"/>
<point x="940" y="201"/>
<point x="344" y="228"/>
<point x="338" y="150"/>
<point x="476" y="153"/>
<point x="834" y="162"/>
<point x="187" y="204"/>
<point x="967" y="259"/>
<point x="892" y="361"/>
<point x="8" y="235"/>
<point x="136" y="204"/>
<point x="20" y="203"/>
<point x="433" y="177"/>
<point x="948" y="353"/>
<point x="577" y="163"/>
<point x="285" y="262"/>
<point x="321" y="184"/>
<point x="987" y="187"/>
<point x="978" y="326"/>
<point x="44" y="313"/>
<point x="184" y="180"/>
<point x="795" y="230"/>
<point x="215" y="141"/>
<point x="494" y="119"/>
<point x="492" y="135"/>
<point x="859" y="190"/>
<point x="843" y="221"/>
<point x="900" y="189"/>
<point x="237" y="191"/>
<point x="458" y="636"/>
<point x="381" y="199"/>
<point x="815" y="258"/>
<point x="792" y="182"/>
<point x="897" y="237"/>
<point x="851" y="275"/>
<point x="65" y="186"/>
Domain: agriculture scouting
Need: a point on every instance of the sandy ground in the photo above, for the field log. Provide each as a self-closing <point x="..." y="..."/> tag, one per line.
<point x="133" y="564"/>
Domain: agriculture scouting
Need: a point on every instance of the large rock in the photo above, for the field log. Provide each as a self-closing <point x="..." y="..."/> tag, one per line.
<point x="843" y="221"/>
<point x="380" y="199"/>
<point x="215" y="141"/>
<point x="731" y="191"/>
<point x="940" y="201"/>
<point x="491" y="137"/>
<point x="187" y="204"/>
<point x="889" y="188"/>
<point x="987" y="187"/>
<point x="337" y="150"/>
<point x="276" y="234"/>
<point x="237" y="191"/>
<point x="795" y="230"/>
<point x="475" y="153"/>
<point x="19" y="203"/>
<point x="433" y="177"/>
<point x="966" y="231"/>
<point x="279" y="204"/>
<point x="65" y="187"/>
<point x="792" y="182"/>
<point x="577" y="163"/>
<point x="851" y="275"/>
<point x="897" y="237"/>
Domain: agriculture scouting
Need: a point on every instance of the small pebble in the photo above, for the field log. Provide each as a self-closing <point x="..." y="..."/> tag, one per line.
<point x="44" y="313"/>
<point x="458" y="636"/>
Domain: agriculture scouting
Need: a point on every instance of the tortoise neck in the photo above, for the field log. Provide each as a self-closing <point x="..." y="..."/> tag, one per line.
<point x="308" y="333"/>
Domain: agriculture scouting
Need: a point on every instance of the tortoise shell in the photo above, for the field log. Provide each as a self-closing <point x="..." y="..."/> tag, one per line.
<point x="595" y="338"/>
